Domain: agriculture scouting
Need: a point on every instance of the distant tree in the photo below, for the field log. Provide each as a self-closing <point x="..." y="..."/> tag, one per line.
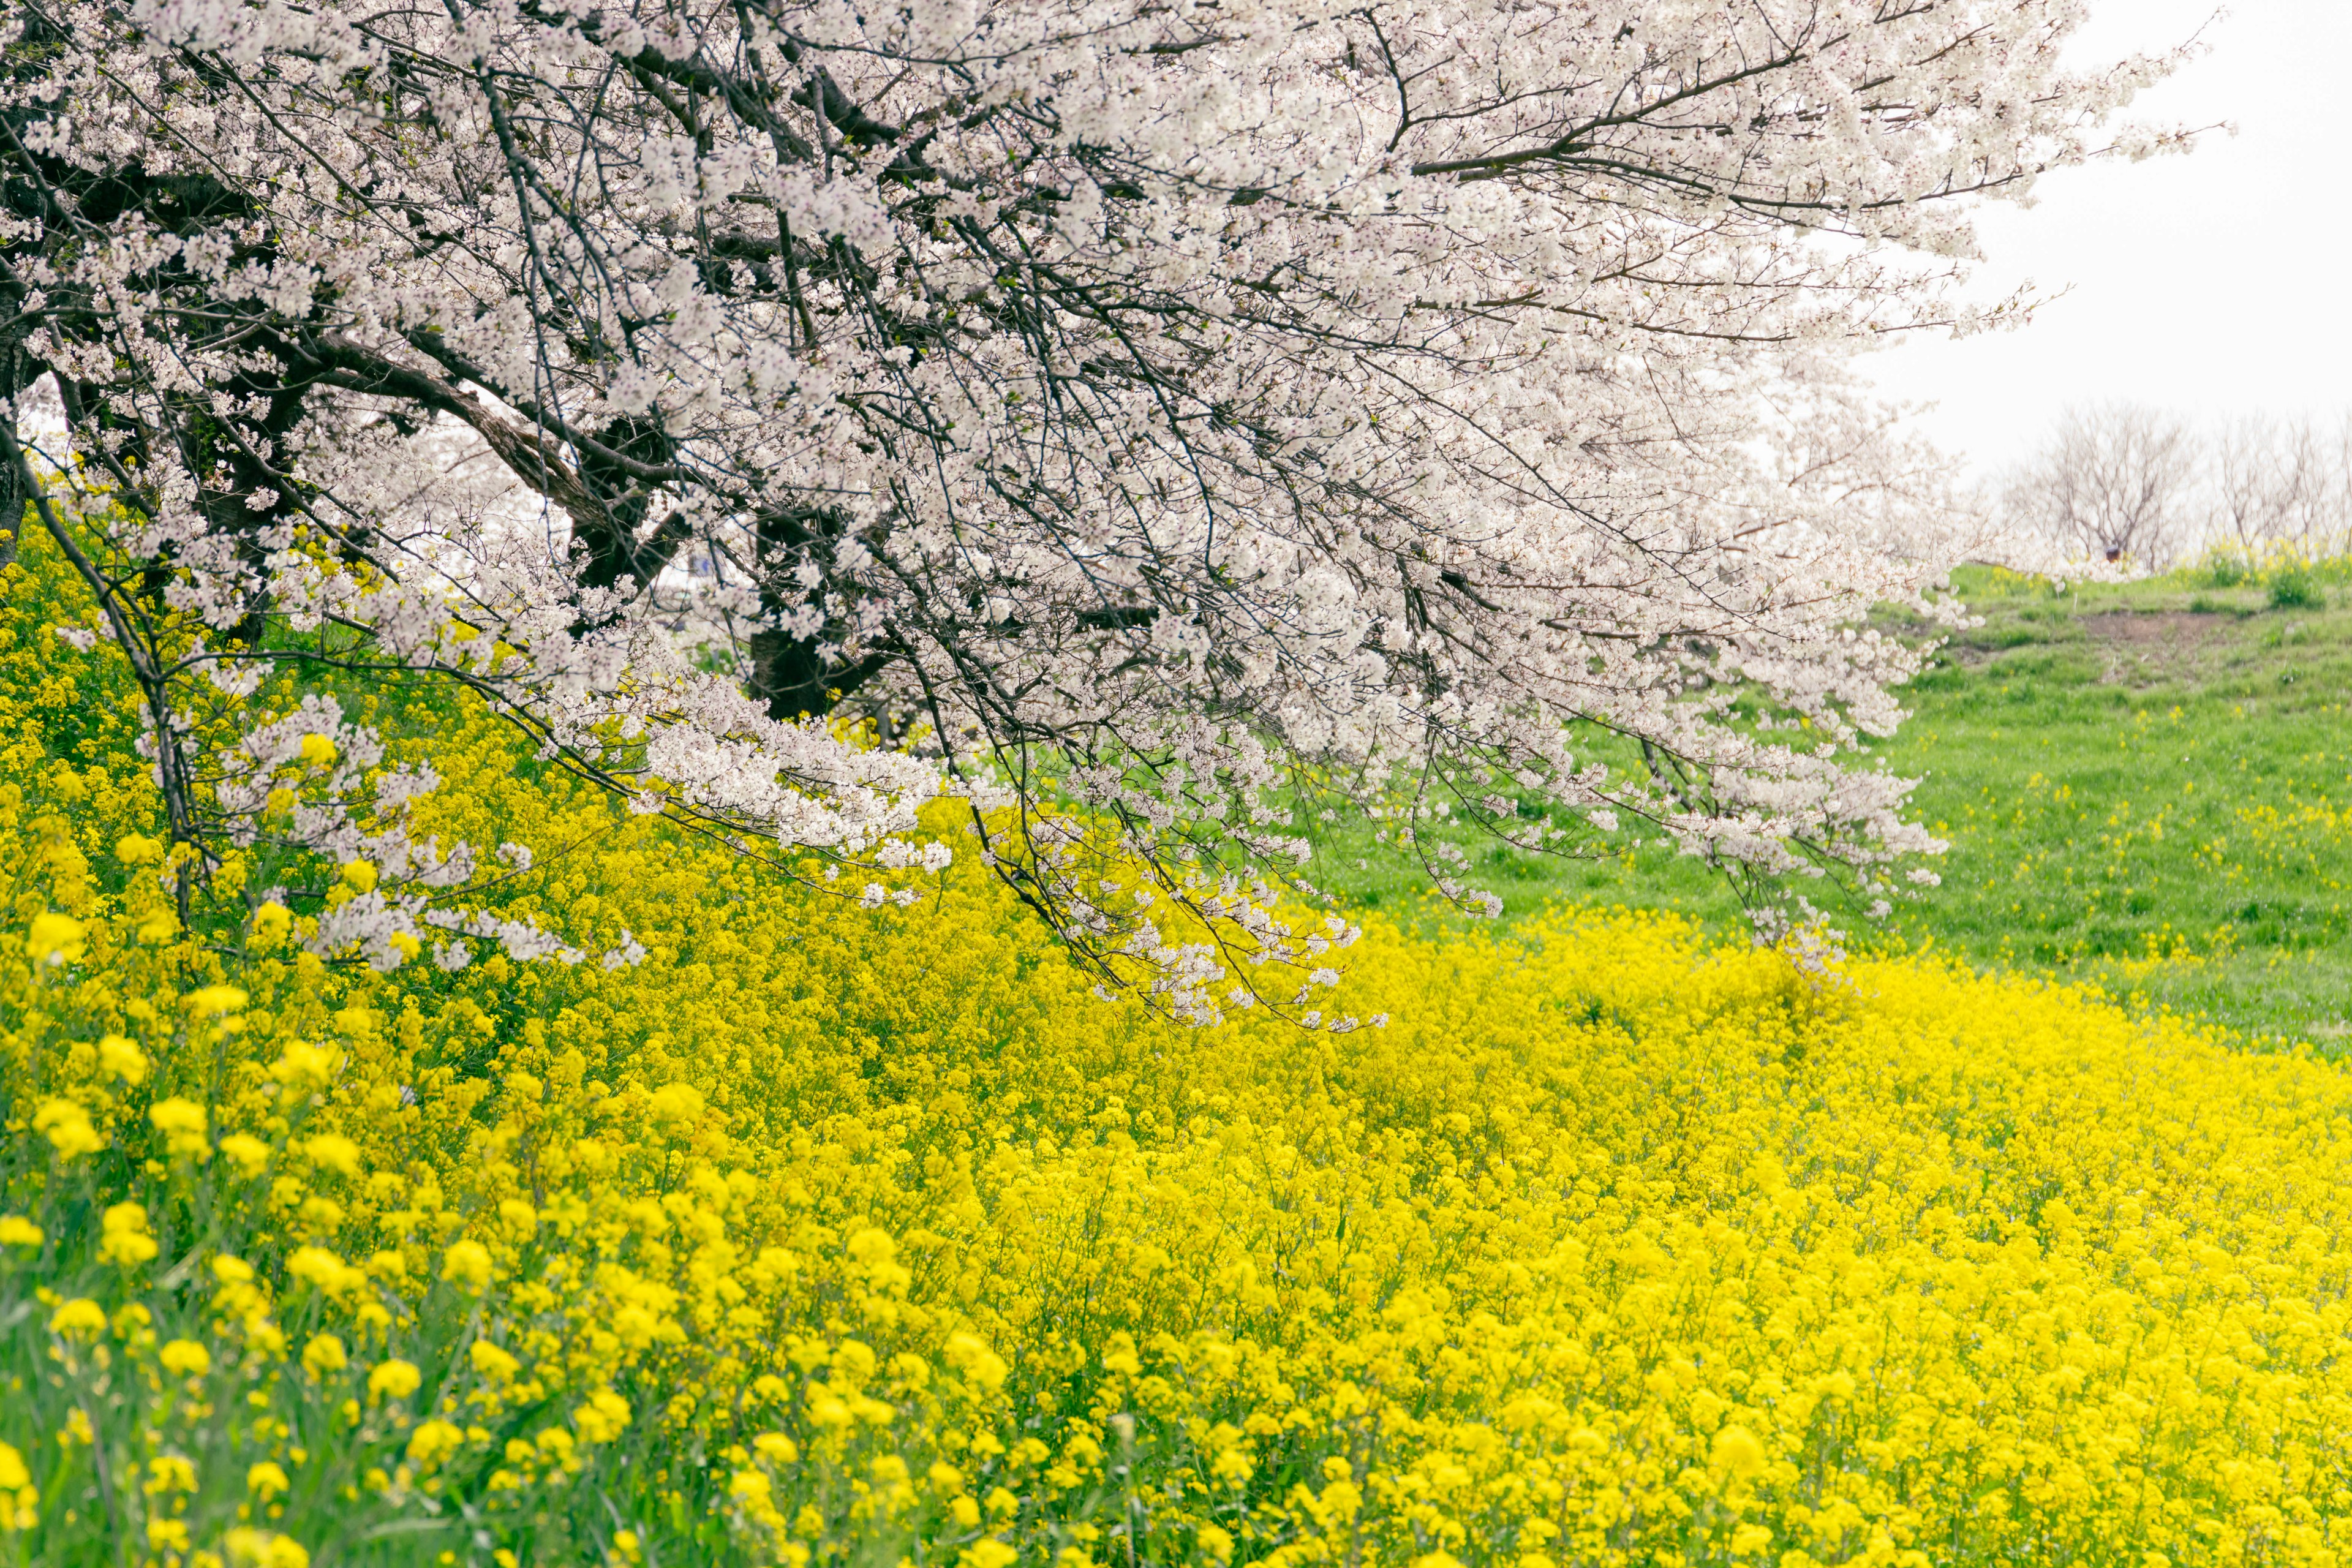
<point x="2119" y="482"/>
<point x="2276" y="482"/>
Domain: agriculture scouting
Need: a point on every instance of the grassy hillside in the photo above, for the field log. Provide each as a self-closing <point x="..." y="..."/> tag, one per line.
<point x="2147" y="787"/>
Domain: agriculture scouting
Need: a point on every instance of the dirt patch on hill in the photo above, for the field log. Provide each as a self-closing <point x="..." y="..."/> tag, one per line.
<point x="2140" y="644"/>
<point x="2143" y="627"/>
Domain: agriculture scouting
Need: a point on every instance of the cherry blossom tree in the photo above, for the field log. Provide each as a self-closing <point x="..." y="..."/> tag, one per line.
<point x="1183" y="418"/>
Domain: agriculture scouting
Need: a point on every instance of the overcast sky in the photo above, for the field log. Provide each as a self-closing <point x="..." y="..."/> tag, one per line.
<point x="2213" y="284"/>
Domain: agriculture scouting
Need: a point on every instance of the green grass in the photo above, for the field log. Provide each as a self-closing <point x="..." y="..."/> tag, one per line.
<point x="2146" y="786"/>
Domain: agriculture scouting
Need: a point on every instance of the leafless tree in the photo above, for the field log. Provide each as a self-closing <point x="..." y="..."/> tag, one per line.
<point x="2117" y="481"/>
<point x="2276" y="482"/>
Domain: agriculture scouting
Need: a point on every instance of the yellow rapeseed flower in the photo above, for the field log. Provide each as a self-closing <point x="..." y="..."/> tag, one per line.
<point x="466" y="1263"/>
<point x="1738" y="1453"/>
<point x="123" y="1059"/>
<point x="138" y="850"/>
<point x="69" y="1128"/>
<point x="186" y="1358"/>
<point x="434" y="1441"/>
<point x="324" y="1355"/>
<point x="333" y="1152"/>
<point x="77" y="1317"/>
<point x="55" y="939"/>
<point x="182" y="1122"/>
<point x="394" y="1379"/>
<point x="250" y="1548"/>
<point x="213" y="1001"/>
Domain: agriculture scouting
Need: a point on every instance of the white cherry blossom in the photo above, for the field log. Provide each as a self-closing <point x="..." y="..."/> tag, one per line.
<point x="1153" y="414"/>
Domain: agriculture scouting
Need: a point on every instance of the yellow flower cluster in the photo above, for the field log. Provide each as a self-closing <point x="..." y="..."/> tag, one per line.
<point x="833" y="1234"/>
<point x="2304" y="839"/>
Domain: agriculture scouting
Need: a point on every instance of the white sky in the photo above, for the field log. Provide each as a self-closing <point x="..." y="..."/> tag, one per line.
<point x="2216" y="284"/>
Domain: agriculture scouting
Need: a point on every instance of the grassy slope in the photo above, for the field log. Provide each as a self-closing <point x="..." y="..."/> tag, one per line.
<point x="2148" y="786"/>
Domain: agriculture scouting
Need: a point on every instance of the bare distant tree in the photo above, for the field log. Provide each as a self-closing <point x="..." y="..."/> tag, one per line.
<point x="2117" y="481"/>
<point x="2277" y="482"/>
<point x="2336" y="445"/>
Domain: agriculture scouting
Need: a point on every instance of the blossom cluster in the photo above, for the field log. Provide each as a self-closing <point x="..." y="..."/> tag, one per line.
<point x="1144" y="400"/>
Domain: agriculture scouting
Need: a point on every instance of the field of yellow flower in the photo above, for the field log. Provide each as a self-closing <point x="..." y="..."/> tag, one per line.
<point x="845" y="1235"/>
